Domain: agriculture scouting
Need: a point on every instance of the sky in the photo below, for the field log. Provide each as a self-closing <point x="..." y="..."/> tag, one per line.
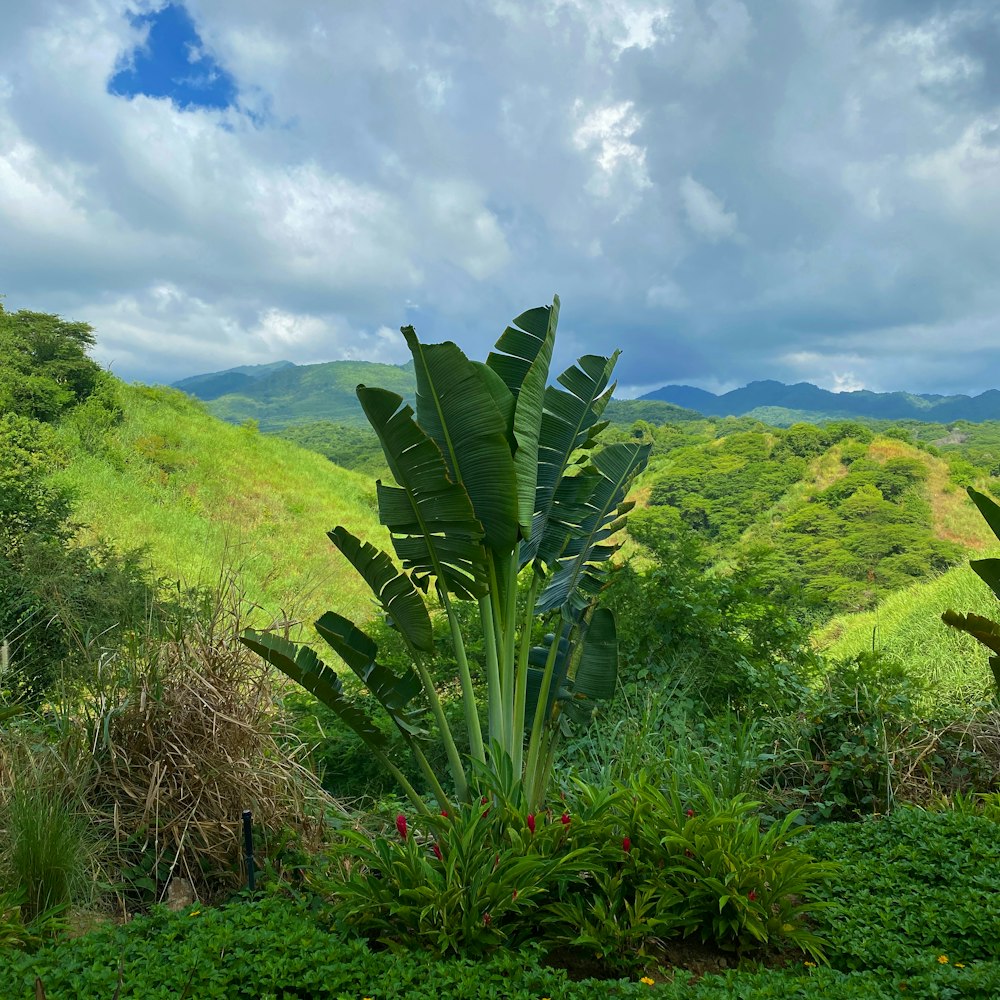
<point x="805" y="190"/>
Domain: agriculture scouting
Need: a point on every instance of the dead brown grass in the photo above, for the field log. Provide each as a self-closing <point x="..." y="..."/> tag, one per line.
<point x="182" y="745"/>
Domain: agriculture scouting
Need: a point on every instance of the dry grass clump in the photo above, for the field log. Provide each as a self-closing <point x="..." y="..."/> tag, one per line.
<point x="930" y="763"/>
<point x="184" y="740"/>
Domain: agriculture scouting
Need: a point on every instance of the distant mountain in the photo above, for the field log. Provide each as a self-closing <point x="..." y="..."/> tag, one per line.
<point x="283" y="394"/>
<point x="811" y="401"/>
<point x="215" y="384"/>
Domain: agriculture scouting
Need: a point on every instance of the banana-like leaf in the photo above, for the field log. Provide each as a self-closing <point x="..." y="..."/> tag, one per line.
<point x="983" y="629"/>
<point x="989" y="509"/>
<point x="537" y="658"/>
<point x="578" y="576"/>
<point x="393" y="590"/>
<point x="303" y="666"/>
<point x="597" y="673"/>
<point x="435" y="531"/>
<point x="522" y="357"/>
<point x="569" y="424"/>
<point x="359" y="651"/>
<point x="457" y="410"/>
<point x="989" y="572"/>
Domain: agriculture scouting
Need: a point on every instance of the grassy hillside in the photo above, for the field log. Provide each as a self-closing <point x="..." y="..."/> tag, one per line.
<point x="906" y="626"/>
<point x="304" y="393"/>
<point x="204" y="495"/>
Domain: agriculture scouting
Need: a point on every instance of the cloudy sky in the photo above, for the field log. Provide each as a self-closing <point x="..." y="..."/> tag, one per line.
<point x="792" y="189"/>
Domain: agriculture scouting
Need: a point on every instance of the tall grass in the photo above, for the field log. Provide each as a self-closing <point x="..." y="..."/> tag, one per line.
<point x="48" y="851"/>
<point x="907" y="628"/>
<point x="200" y="494"/>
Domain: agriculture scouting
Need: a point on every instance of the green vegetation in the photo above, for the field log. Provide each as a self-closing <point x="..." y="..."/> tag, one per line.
<point x="781" y="799"/>
<point x="307" y="393"/>
<point x="499" y="478"/>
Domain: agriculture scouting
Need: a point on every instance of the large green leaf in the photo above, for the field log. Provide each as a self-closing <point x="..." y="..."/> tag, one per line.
<point x="435" y="531"/>
<point x="597" y="673"/>
<point x="393" y="590"/>
<point x="569" y="426"/>
<point x="522" y="358"/>
<point x="989" y="509"/>
<point x="578" y="577"/>
<point x="359" y="651"/>
<point x="989" y="572"/>
<point x="983" y="629"/>
<point x="537" y="657"/>
<point x="457" y="410"/>
<point x="303" y="666"/>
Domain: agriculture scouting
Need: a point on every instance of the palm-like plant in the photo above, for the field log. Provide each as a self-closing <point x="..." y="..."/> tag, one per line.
<point x="498" y="476"/>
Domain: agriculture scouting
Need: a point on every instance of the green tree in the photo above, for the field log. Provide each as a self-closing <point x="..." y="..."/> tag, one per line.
<point x="499" y="482"/>
<point x="44" y="367"/>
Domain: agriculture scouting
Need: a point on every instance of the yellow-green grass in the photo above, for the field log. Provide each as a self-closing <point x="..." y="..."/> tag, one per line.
<point x="209" y="498"/>
<point x="907" y="627"/>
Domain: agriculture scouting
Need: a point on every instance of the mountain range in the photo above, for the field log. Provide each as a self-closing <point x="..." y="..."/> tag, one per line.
<point x="812" y="402"/>
<point x="282" y="394"/>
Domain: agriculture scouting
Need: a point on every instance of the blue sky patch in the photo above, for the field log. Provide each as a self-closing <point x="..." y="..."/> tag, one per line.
<point x="173" y="63"/>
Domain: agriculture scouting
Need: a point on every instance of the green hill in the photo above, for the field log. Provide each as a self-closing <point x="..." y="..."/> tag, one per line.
<point x="906" y="626"/>
<point x="298" y="394"/>
<point x="208" y="497"/>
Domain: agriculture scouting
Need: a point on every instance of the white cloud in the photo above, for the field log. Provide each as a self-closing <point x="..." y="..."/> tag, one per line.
<point x="718" y="191"/>
<point x="706" y="213"/>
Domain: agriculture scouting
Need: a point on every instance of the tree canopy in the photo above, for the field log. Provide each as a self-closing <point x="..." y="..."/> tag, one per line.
<point x="44" y="367"/>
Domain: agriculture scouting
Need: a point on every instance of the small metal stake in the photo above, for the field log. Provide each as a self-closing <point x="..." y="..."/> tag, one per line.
<point x="248" y="849"/>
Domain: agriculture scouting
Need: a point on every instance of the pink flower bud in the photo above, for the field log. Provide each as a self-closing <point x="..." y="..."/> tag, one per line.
<point x="401" y="825"/>
<point x="487" y="919"/>
<point x="437" y="852"/>
<point x="690" y="813"/>
<point x="752" y="895"/>
<point x="531" y="822"/>
<point x="565" y="819"/>
<point x="626" y="844"/>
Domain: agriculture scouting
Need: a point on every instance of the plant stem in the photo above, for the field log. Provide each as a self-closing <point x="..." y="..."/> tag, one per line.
<point x="468" y="693"/>
<point x="454" y="759"/>
<point x="538" y="725"/>
<point x="521" y="683"/>
<point x="495" y="703"/>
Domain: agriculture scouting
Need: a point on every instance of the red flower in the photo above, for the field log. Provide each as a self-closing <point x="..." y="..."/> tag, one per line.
<point x="444" y="812"/>
<point x="513" y="895"/>
<point x="565" y="819"/>
<point x="752" y="895"/>
<point x="531" y="822"/>
<point x="401" y="825"/>
<point x="487" y="919"/>
<point x="690" y="812"/>
<point x="626" y="844"/>
<point x="437" y="852"/>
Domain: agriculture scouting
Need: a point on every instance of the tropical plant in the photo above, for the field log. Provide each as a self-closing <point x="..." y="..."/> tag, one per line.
<point x="498" y="476"/>
<point x="985" y="630"/>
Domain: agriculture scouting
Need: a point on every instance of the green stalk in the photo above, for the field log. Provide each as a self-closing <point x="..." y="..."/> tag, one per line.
<point x="431" y="777"/>
<point x="494" y="703"/>
<point x="538" y="726"/>
<point x="468" y="693"/>
<point x="513" y="735"/>
<point x="502" y="713"/>
<point x="454" y="758"/>
<point x="545" y="771"/>
<point x="521" y="684"/>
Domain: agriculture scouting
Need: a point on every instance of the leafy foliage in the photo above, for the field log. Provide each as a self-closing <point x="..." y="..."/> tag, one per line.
<point x="497" y="474"/>
<point x="44" y="368"/>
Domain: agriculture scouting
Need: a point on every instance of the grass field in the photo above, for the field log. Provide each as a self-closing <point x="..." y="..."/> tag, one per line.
<point x="907" y="626"/>
<point x="206" y="498"/>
